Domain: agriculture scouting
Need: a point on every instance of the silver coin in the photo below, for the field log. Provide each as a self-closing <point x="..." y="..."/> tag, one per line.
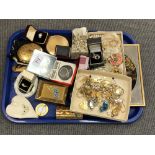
<point x="65" y="72"/>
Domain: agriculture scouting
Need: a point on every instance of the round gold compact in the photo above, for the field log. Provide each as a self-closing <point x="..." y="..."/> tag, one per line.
<point x="55" y="40"/>
<point x="24" y="53"/>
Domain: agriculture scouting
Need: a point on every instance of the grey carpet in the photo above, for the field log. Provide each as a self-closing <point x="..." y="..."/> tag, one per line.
<point x="144" y="33"/>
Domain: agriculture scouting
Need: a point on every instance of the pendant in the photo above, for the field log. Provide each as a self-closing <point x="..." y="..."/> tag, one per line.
<point x="118" y="92"/>
<point x="83" y="106"/>
<point x="92" y="104"/>
<point x="119" y="101"/>
<point x="104" y="106"/>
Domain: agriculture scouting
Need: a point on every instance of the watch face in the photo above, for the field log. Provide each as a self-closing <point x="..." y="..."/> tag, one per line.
<point x="65" y="72"/>
<point x="131" y="70"/>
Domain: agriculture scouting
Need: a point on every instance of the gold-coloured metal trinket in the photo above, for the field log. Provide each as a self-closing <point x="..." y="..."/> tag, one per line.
<point x="51" y="92"/>
<point x="116" y="110"/>
<point x="24" y="53"/>
<point x="119" y="101"/>
<point x="63" y="112"/>
<point x="79" y="42"/>
<point x="41" y="109"/>
<point x="55" y="40"/>
<point x="118" y="92"/>
<point x="83" y="105"/>
<point x="18" y="68"/>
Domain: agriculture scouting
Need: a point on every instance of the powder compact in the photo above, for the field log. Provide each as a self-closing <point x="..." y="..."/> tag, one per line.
<point x="55" y="40"/>
<point x="24" y="53"/>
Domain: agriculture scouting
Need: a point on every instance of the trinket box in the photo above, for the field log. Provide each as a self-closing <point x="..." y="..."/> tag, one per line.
<point x="64" y="73"/>
<point x="79" y="42"/>
<point x="51" y="92"/>
<point x="83" y="62"/>
<point x="62" y="52"/>
<point x="20" y="108"/>
<point x="49" y="67"/>
<point x="113" y="50"/>
<point x="105" y="95"/>
<point x="35" y="35"/>
<point x="63" y="112"/>
<point x="95" y="52"/>
<point x="134" y="70"/>
<point x="42" y="64"/>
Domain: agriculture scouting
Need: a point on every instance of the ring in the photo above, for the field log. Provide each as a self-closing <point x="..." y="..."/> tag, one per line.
<point x="18" y="92"/>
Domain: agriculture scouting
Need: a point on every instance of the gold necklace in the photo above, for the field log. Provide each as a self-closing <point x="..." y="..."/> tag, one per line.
<point x="103" y="94"/>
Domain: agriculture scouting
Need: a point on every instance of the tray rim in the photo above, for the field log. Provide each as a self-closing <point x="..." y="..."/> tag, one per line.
<point x="46" y="121"/>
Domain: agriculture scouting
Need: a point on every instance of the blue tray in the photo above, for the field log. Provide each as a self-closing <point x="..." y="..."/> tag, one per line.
<point x="9" y="93"/>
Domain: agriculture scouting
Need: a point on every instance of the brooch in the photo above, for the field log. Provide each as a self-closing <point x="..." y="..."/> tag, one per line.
<point x="115" y="59"/>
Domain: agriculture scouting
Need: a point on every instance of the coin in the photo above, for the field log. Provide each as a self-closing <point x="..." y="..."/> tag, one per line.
<point x="55" y="40"/>
<point x="65" y="72"/>
<point x="41" y="109"/>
